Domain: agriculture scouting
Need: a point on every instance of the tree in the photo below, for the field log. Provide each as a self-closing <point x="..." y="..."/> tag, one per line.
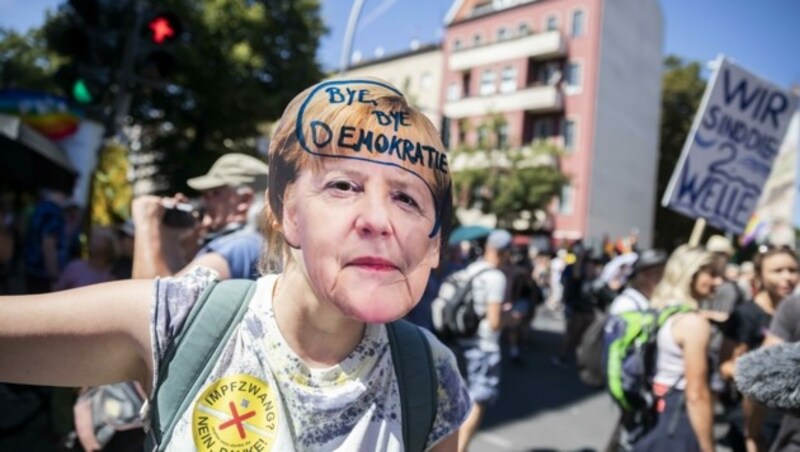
<point x="238" y="63"/>
<point x="507" y="182"/>
<point x="25" y="61"/>
<point x="681" y="93"/>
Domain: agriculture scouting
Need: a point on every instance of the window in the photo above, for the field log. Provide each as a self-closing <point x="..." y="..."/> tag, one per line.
<point x="551" y="24"/>
<point x="542" y="129"/>
<point x="425" y="80"/>
<point x="578" y="25"/>
<point x="524" y="29"/>
<point x="502" y="34"/>
<point x="508" y="79"/>
<point x="565" y="199"/>
<point x="483" y="136"/>
<point x="457" y="44"/>
<point x="487" y="83"/>
<point x="502" y="136"/>
<point x="573" y="75"/>
<point x="453" y="91"/>
<point x="548" y="73"/>
<point x="477" y="40"/>
<point x="569" y="135"/>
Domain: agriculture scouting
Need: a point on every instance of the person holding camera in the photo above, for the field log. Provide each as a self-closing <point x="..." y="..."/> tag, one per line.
<point x="228" y="247"/>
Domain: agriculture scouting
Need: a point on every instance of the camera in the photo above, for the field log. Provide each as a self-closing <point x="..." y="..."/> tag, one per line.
<point x="180" y="215"/>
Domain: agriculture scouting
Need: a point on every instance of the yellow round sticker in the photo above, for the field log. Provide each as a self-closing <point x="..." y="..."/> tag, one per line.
<point x="236" y="413"/>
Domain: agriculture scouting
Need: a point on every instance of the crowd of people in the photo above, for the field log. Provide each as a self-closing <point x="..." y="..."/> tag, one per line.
<point x="344" y="246"/>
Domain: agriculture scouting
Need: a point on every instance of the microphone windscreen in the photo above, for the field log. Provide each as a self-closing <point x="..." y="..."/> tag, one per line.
<point x="771" y="376"/>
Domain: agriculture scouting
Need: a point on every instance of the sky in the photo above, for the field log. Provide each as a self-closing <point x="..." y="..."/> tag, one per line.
<point x="761" y="35"/>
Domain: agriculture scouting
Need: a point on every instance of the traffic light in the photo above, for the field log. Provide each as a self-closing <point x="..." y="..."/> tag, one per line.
<point x="157" y="60"/>
<point x="91" y="39"/>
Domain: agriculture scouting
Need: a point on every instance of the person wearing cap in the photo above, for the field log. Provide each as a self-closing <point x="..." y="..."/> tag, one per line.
<point x="354" y="232"/>
<point x="647" y="272"/>
<point x="229" y="191"/>
<point x="481" y="353"/>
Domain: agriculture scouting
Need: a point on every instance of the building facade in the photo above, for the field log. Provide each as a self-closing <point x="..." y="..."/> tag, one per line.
<point x="417" y="73"/>
<point x="582" y="74"/>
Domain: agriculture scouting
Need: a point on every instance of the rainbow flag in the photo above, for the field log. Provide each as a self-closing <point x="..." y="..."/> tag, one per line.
<point x="47" y="114"/>
<point x="755" y="228"/>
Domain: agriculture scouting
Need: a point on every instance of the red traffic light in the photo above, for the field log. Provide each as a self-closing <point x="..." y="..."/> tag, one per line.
<point x="163" y="28"/>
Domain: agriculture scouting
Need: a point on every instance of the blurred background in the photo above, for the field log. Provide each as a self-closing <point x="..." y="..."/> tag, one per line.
<point x="561" y="97"/>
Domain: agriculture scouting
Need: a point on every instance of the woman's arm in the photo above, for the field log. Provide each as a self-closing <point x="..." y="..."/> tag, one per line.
<point x="730" y="351"/>
<point x="692" y="332"/>
<point x="90" y="336"/>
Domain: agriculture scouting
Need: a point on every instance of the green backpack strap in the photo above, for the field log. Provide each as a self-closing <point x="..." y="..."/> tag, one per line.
<point x="193" y="353"/>
<point x="417" y="381"/>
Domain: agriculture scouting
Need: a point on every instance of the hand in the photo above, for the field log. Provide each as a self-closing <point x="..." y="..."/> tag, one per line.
<point x="147" y="211"/>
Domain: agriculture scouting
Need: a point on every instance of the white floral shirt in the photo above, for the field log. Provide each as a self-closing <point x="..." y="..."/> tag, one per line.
<point x="260" y="396"/>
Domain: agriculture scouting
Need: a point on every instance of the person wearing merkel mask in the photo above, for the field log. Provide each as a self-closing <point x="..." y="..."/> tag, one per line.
<point x="359" y="202"/>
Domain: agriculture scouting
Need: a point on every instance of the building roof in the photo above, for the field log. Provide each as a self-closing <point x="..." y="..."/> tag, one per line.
<point x="396" y="56"/>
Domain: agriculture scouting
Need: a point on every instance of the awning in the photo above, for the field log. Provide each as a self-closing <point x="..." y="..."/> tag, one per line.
<point x="29" y="160"/>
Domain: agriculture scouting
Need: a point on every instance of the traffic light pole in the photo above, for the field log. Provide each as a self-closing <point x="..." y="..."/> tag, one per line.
<point x="124" y="95"/>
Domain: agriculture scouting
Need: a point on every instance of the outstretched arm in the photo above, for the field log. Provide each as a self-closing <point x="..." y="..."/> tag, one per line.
<point x="83" y="337"/>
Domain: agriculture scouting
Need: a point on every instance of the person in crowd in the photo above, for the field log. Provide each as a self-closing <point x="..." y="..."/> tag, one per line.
<point x="728" y="296"/>
<point x="579" y="306"/>
<point x="647" y="271"/>
<point x="123" y="263"/>
<point x="355" y="234"/>
<point x="46" y="242"/>
<point x="96" y="268"/>
<point x="747" y="278"/>
<point x="783" y="328"/>
<point x="681" y="382"/>
<point x="228" y="190"/>
<point x="481" y="353"/>
<point x="776" y="277"/>
<point x="555" y="299"/>
<point x="521" y="299"/>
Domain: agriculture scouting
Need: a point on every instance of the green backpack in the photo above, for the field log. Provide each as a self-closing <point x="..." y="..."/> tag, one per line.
<point x="629" y="353"/>
<point x="194" y="352"/>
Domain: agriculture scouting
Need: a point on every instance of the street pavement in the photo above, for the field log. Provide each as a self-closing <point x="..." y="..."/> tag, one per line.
<point x="545" y="408"/>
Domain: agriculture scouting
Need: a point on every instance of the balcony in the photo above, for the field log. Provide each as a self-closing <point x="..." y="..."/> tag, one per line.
<point x="541" y="46"/>
<point x="538" y="99"/>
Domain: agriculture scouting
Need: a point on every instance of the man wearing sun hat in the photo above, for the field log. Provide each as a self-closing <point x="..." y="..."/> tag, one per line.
<point x="229" y="191"/>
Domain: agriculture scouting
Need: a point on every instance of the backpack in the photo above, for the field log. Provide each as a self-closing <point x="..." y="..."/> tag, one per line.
<point x="589" y="354"/>
<point x="453" y="310"/>
<point x="629" y="354"/>
<point x="194" y="352"/>
<point x="102" y="411"/>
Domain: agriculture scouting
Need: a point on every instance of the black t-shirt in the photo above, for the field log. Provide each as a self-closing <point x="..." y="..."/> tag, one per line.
<point x="786" y="325"/>
<point x="747" y="324"/>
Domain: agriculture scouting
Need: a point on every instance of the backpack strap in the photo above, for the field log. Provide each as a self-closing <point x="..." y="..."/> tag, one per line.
<point x="416" y="380"/>
<point x="190" y="357"/>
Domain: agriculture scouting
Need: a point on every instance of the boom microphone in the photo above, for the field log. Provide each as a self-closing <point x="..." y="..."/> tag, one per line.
<point x="771" y="376"/>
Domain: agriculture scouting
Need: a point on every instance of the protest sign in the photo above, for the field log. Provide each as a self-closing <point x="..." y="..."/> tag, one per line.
<point x="731" y="147"/>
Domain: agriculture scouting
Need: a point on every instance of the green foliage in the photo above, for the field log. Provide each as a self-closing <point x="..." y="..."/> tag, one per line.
<point x="681" y="93"/>
<point x="111" y="192"/>
<point x="25" y="61"/>
<point x="515" y="180"/>
<point x="239" y="63"/>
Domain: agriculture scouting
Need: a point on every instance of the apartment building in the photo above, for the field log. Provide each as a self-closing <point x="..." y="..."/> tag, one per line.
<point x="417" y="73"/>
<point x="583" y="74"/>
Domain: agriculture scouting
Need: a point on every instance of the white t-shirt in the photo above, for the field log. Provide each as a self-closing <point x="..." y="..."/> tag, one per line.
<point x="260" y="396"/>
<point x="629" y="300"/>
<point x="488" y="287"/>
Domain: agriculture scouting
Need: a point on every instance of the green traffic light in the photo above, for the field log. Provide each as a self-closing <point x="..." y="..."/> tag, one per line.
<point x="80" y="92"/>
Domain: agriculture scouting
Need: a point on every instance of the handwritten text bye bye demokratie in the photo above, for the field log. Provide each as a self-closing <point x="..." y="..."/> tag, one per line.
<point x="363" y="142"/>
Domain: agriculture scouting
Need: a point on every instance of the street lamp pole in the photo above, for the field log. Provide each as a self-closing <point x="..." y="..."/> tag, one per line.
<point x="347" y="44"/>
